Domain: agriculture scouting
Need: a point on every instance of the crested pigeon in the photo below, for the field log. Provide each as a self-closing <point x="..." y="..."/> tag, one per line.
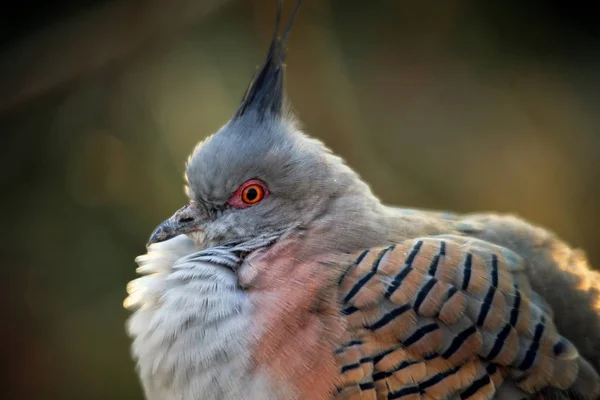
<point x="285" y="277"/>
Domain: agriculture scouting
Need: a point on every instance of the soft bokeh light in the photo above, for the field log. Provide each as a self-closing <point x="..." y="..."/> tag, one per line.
<point x="458" y="105"/>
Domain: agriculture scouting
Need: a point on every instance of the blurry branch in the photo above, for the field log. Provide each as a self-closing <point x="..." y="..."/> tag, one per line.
<point x="86" y="42"/>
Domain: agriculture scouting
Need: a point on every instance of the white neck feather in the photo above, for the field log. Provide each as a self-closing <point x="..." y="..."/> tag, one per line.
<point x="190" y="329"/>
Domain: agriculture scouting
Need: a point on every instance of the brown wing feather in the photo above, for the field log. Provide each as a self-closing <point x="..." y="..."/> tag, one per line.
<point x="446" y="317"/>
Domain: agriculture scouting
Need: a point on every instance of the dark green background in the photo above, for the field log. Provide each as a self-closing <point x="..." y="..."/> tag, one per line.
<point x="459" y="105"/>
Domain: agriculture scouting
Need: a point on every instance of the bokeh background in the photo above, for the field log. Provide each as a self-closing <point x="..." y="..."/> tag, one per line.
<point x="460" y="105"/>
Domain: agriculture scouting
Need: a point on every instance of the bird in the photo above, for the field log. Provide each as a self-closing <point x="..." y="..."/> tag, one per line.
<point x="286" y="277"/>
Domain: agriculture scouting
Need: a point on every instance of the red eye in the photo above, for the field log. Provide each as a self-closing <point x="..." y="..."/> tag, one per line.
<point x="250" y="193"/>
<point x="253" y="193"/>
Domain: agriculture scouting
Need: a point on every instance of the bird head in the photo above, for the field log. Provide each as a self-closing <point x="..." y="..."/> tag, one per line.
<point x="259" y="176"/>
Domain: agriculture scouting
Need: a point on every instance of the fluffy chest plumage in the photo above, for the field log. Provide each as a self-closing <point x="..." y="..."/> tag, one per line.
<point x="197" y="335"/>
<point x="190" y="329"/>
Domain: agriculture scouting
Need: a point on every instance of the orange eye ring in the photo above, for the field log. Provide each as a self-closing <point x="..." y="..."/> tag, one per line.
<point x="252" y="194"/>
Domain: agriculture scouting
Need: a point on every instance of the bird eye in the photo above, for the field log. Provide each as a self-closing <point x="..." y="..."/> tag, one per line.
<point x="248" y="194"/>
<point x="253" y="193"/>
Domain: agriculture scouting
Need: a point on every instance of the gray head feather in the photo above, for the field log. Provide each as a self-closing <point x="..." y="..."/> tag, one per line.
<point x="308" y="187"/>
<point x="303" y="177"/>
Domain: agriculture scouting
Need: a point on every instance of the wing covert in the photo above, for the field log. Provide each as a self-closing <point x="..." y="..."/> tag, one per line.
<point x="446" y="317"/>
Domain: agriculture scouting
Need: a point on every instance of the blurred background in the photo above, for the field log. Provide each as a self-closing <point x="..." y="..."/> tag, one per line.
<point x="460" y="105"/>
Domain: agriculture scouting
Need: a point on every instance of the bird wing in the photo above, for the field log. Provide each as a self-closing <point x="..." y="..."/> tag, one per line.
<point x="447" y="317"/>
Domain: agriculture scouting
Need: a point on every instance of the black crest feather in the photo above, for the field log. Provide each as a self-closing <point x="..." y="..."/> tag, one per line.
<point x="265" y="93"/>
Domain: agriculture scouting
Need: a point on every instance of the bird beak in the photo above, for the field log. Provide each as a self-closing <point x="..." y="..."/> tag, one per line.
<point x="189" y="218"/>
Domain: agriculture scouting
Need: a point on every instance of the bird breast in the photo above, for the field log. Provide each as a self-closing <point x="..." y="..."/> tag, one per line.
<point x="190" y="328"/>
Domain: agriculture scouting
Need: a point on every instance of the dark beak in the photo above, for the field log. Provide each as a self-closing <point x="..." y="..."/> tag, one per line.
<point x="189" y="218"/>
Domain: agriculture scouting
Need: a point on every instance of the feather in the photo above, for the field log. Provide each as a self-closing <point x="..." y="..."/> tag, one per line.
<point x="457" y="315"/>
